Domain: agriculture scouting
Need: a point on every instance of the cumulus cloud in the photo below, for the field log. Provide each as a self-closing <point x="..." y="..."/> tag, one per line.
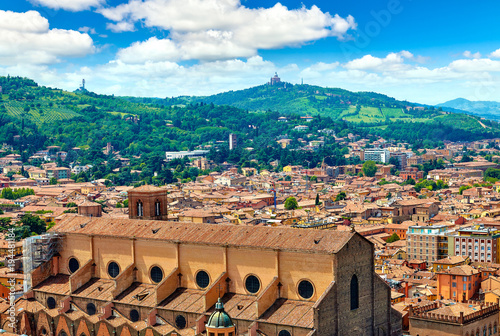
<point x="222" y="29"/>
<point x="70" y="5"/>
<point x="495" y="54"/>
<point x="26" y="38"/>
<point x="392" y="62"/>
<point x="122" y="26"/>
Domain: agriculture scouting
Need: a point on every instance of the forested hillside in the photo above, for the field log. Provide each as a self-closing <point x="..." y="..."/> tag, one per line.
<point x="33" y="117"/>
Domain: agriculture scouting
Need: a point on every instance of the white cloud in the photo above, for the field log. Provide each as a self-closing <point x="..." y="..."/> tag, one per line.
<point x="495" y="54"/>
<point x="475" y="65"/>
<point x="222" y="29"/>
<point x="469" y="54"/>
<point x="70" y="5"/>
<point x="119" y="27"/>
<point x="87" y="30"/>
<point x="392" y="62"/>
<point x="25" y="38"/>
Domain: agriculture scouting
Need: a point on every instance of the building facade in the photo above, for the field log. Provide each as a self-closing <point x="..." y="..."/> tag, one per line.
<point x="377" y="155"/>
<point x="479" y="243"/>
<point x="427" y="243"/>
<point x="127" y="277"/>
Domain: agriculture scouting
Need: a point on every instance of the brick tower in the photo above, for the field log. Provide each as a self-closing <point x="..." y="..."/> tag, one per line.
<point x="148" y="202"/>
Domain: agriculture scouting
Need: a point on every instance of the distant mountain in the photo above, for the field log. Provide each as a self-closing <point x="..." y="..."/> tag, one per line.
<point x="486" y="109"/>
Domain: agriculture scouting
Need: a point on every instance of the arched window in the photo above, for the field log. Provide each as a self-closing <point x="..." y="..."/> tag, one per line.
<point x="91" y="309"/>
<point x="140" y="211"/>
<point x="495" y="328"/>
<point x="489" y="330"/>
<point x="134" y="315"/>
<point x="484" y="332"/>
<point x="51" y="302"/>
<point x="180" y="322"/>
<point x="157" y="208"/>
<point x="354" y="292"/>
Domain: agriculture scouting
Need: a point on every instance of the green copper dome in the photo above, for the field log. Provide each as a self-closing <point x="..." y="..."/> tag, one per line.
<point x="219" y="318"/>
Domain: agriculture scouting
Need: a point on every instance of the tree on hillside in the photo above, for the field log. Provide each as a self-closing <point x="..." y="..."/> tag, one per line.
<point x="291" y="203"/>
<point x="369" y="168"/>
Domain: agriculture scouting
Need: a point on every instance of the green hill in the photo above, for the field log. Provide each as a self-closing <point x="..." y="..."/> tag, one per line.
<point x="33" y="116"/>
<point x="365" y="109"/>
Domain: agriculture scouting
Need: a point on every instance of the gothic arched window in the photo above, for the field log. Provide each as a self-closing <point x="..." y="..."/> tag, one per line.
<point x="140" y="211"/>
<point x="354" y="292"/>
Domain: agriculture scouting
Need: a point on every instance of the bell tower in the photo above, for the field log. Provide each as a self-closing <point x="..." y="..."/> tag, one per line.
<point x="148" y="202"/>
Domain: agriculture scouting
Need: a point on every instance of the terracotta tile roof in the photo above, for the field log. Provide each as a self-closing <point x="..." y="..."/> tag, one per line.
<point x="58" y="284"/>
<point x="134" y="295"/>
<point x="239" y="306"/>
<point x="318" y="241"/>
<point x="96" y="289"/>
<point x="184" y="299"/>
<point x="290" y="312"/>
<point x="460" y="270"/>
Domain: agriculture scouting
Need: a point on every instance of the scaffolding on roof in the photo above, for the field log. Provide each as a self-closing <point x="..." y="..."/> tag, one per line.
<point x="37" y="250"/>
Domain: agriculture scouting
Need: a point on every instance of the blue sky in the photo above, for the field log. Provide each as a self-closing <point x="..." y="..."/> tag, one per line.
<point x="419" y="50"/>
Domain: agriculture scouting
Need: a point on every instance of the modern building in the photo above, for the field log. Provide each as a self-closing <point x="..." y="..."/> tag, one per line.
<point x="58" y="172"/>
<point x="377" y="155"/>
<point x="402" y="160"/>
<point x="181" y="154"/>
<point x="478" y="242"/>
<point x="123" y="277"/>
<point x="427" y="243"/>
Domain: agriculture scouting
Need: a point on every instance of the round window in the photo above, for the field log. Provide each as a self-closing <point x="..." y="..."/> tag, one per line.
<point x="284" y="333"/>
<point x="134" y="315"/>
<point x="306" y="289"/>
<point x="180" y="322"/>
<point x="202" y="279"/>
<point x="156" y="274"/>
<point x="51" y="303"/>
<point x="252" y="284"/>
<point x="73" y="265"/>
<point x="113" y="269"/>
<point x="91" y="310"/>
<point x="43" y="331"/>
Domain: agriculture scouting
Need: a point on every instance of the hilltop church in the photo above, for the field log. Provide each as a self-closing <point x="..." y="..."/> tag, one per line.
<point x="147" y="276"/>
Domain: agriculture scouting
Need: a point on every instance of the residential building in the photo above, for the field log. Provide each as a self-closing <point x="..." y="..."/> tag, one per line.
<point x="458" y="283"/>
<point x="402" y="160"/>
<point x="58" y="172"/>
<point x="377" y="155"/>
<point x="427" y="243"/>
<point x="479" y="243"/>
